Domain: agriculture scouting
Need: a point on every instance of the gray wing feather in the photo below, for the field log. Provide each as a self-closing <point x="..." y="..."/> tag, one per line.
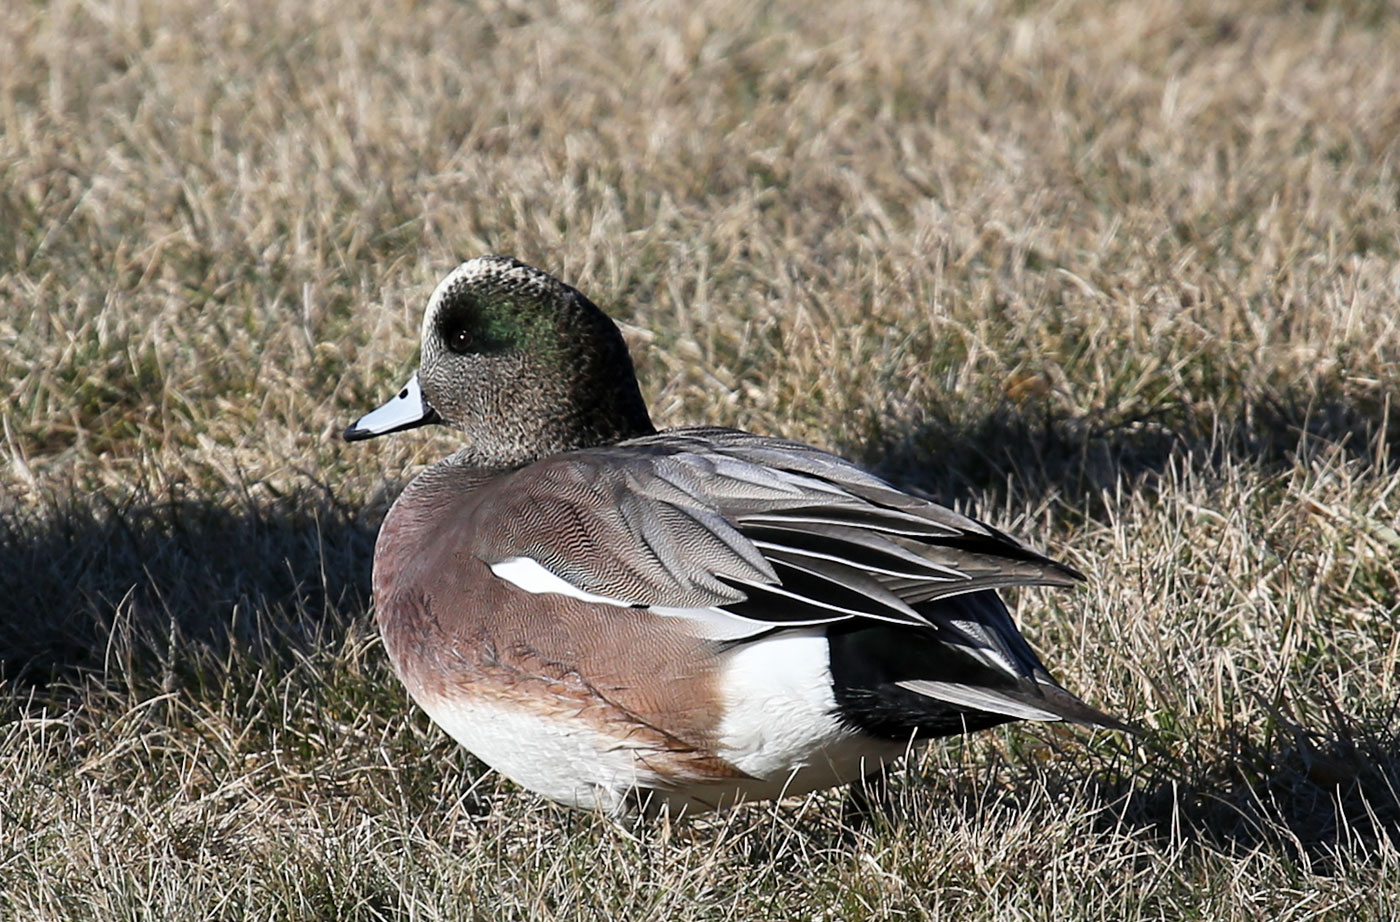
<point x="774" y="532"/>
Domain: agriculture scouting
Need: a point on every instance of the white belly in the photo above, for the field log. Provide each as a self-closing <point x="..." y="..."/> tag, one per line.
<point x="566" y="761"/>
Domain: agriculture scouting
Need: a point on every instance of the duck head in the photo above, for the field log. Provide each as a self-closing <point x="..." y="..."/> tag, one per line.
<point x="522" y="364"/>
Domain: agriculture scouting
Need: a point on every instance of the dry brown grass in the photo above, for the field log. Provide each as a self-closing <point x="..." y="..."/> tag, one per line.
<point x="1122" y="277"/>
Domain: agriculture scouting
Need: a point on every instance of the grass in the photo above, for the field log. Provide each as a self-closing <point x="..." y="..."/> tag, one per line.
<point x="1123" y="278"/>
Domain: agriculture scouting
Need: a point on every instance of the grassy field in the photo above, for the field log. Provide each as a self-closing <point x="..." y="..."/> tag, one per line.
<point x="1121" y="278"/>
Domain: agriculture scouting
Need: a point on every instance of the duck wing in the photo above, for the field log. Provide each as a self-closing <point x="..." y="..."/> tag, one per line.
<point x="743" y="534"/>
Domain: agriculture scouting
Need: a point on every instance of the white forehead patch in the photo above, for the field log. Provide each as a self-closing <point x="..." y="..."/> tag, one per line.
<point x="503" y="273"/>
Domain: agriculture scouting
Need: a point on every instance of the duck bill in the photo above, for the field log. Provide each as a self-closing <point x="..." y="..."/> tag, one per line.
<point x="405" y="410"/>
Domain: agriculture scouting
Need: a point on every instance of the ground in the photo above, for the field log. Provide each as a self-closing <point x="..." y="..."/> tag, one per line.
<point x="1119" y="277"/>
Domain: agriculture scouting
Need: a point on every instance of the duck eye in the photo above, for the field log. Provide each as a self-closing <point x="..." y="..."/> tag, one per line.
<point x="460" y="340"/>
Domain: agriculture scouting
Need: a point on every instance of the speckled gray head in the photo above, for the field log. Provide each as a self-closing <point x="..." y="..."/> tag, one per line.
<point x="523" y="364"/>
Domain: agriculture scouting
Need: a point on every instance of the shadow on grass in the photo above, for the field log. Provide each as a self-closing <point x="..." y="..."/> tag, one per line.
<point x="151" y="580"/>
<point x="89" y="579"/>
<point x="1327" y="794"/>
<point x="1025" y="450"/>
<point x="1327" y="799"/>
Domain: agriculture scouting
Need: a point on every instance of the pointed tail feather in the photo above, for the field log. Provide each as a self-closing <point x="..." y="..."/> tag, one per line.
<point x="1030" y="700"/>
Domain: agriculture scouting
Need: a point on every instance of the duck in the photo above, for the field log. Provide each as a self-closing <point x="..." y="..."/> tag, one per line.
<point x="628" y="620"/>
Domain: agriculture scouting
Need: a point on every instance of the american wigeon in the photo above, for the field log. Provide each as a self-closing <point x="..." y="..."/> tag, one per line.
<point x="613" y="616"/>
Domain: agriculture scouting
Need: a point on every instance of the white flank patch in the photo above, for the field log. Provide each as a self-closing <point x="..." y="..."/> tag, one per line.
<point x="529" y="574"/>
<point x="780" y="723"/>
<point x="980" y="699"/>
<point x="565" y="760"/>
